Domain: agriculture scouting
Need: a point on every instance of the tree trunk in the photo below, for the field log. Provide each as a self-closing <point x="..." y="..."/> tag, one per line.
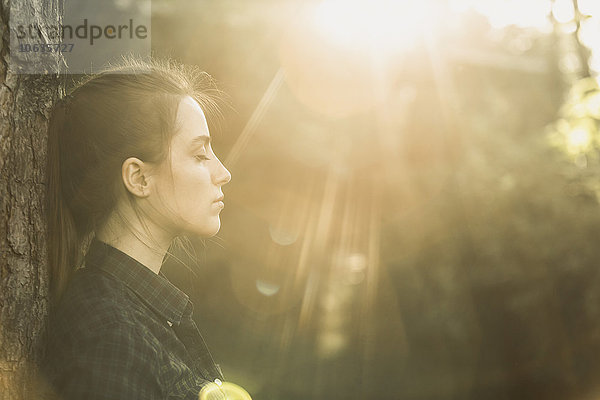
<point x="25" y="102"/>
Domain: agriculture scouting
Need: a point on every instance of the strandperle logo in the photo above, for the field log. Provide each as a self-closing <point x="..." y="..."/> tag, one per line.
<point x="83" y="31"/>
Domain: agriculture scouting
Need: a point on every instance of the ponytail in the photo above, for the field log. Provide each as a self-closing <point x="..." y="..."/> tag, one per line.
<point x="63" y="239"/>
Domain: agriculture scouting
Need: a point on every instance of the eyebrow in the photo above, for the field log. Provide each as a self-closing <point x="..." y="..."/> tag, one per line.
<point x="203" y="139"/>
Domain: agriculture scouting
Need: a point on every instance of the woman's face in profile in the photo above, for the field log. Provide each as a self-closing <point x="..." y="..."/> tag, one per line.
<point x="189" y="189"/>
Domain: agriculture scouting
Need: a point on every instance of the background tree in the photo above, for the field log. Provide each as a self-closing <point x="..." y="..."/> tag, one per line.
<point x="25" y="101"/>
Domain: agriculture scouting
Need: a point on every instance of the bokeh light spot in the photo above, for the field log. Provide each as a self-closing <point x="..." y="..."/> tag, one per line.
<point x="563" y="11"/>
<point x="579" y="139"/>
<point x="267" y="288"/>
<point x="282" y="237"/>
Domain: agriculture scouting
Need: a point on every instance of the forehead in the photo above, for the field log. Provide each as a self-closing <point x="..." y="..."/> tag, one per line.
<point x="191" y="122"/>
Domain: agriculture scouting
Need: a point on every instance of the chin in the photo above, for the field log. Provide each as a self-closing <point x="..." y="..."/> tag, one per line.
<point x="207" y="230"/>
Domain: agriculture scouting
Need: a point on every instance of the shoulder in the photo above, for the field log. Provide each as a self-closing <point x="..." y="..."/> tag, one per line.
<point x="93" y="301"/>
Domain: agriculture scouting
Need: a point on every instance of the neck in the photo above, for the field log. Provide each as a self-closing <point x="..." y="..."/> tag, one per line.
<point x="147" y="248"/>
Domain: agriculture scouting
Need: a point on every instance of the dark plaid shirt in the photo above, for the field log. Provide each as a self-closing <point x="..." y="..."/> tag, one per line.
<point x="123" y="332"/>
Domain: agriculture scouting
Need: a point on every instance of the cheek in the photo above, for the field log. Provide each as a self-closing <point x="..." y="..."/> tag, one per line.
<point x="192" y="186"/>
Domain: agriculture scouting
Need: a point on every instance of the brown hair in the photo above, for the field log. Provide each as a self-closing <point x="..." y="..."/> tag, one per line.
<point x="127" y="110"/>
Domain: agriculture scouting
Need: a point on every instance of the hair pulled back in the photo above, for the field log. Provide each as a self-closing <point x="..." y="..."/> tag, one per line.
<point x="127" y="110"/>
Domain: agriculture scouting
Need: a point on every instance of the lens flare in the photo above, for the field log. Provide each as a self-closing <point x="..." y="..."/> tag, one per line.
<point x="223" y="391"/>
<point x="267" y="288"/>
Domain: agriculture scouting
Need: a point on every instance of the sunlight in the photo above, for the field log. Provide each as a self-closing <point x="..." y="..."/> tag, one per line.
<point x="392" y="26"/>
<point x="382" y="24"/>
<point x="502" y="13"/>
<point x="589" y="7"/>
<point x="255" y="118"/>
<point x="589" y="33"/>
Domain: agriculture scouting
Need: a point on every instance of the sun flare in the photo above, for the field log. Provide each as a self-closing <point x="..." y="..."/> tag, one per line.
<point x="381" y="24"/>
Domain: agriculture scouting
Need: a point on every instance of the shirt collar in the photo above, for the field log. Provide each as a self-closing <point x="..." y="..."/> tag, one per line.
<point x="155" y="290"/>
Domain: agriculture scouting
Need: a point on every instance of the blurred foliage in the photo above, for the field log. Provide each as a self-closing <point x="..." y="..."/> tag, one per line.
<point x="438" y="244"/>
<point x="576" y="130"/>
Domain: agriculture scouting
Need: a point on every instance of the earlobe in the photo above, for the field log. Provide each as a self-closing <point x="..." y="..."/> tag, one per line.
<point x="134" y="179"/>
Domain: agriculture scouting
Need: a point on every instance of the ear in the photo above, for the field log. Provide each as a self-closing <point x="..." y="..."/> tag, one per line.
<point x="134" y="174"/>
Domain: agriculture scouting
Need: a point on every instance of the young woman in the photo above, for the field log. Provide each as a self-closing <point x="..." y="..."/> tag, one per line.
<point x="131" y="169"/>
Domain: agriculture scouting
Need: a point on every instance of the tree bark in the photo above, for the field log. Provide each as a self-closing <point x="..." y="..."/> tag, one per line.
<point x="25" y="103"/>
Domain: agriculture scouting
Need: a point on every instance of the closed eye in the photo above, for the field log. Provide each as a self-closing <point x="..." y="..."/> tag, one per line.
<point x="202" y="157"/>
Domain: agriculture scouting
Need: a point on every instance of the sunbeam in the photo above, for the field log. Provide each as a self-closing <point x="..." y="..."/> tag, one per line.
<point x="255" y="118"/>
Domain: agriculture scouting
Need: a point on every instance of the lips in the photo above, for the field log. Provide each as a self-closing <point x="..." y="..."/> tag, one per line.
<point x="219" y="202"/>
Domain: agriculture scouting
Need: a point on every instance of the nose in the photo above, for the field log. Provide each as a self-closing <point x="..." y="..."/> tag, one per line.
<point x="223" y="175"/>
